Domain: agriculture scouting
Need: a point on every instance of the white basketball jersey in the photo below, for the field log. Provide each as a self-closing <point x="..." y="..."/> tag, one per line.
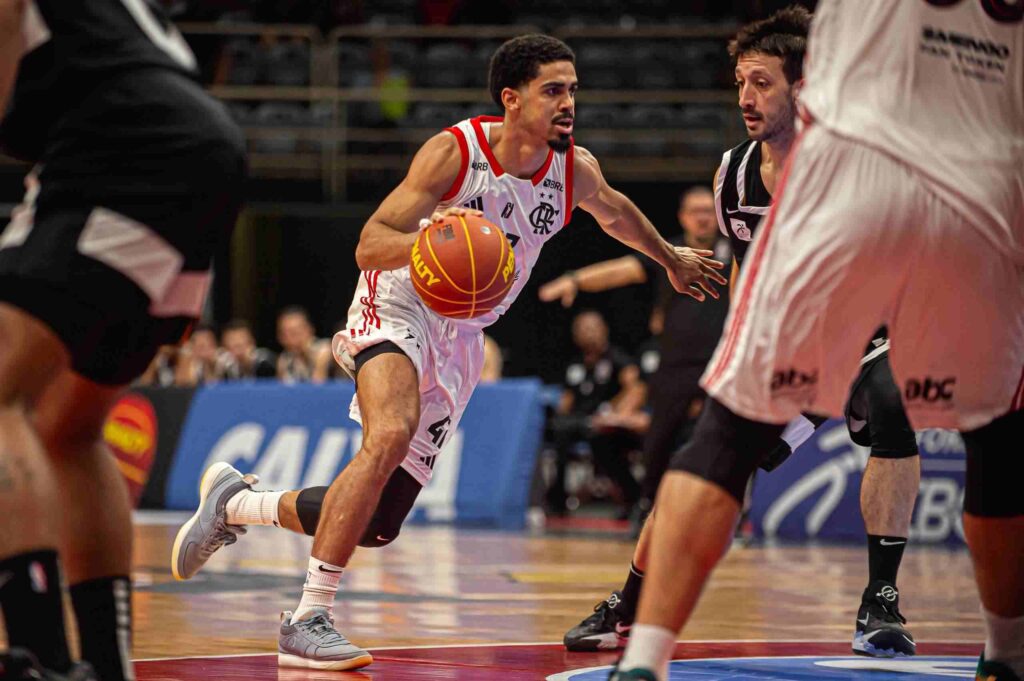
<point x="939" y="84"/>
<point x="531" y="210"/>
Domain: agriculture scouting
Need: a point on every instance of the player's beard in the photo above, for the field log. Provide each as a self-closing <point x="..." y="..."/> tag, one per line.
<point x="561" y="144"/>
<point x="783" y="124"/>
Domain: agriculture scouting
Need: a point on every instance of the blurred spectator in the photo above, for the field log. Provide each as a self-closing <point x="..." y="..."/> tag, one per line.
<point x="201" y="360"/>
<point x="688" y="330"/>
<point x="304" y="357"/>
<point x="493" y="361"/>
<point x="601" y="379"/>
<point x="163" y="369"/>
<point x="249" y="361"/>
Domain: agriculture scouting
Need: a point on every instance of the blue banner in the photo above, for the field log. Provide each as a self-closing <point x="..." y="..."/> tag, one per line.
<point x="296" y="436"/>
<point x="816" y="492"/>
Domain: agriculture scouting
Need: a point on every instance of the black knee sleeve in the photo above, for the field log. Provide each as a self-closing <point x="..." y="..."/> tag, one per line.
<point x="875" y="416"/>
<point x="726" y="448"/>
<point x="396" y="501"/>
<point x="993" y="477"/>
<point x="307" y="507"/>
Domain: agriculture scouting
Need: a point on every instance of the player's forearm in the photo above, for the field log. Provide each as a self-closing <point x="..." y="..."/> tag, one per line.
<point x="610" y="274"/>
<point x="11" y="46"/>
<point x="382" y="247"/>
<point x="631" y="227"/>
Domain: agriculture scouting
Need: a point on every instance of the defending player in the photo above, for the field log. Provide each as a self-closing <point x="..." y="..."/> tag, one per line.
<point x="769" y="57"/>
<point x="415" y="370"/>
<point x="138" y="183"/>
<point x="902" y="206"/>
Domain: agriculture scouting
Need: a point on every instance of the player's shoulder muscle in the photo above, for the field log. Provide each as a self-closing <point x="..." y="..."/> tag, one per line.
<point x="436" y="164"/>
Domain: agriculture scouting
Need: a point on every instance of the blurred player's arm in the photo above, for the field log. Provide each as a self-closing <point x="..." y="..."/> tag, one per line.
<point x="688" y="269"/>
<point x="594" y="278"/>
<point x="734" y="274"/>
<point x="566" y="402"/>
<point x="12" y="46"/>
<point x="387" y="238"/>
<point x="633" y="394"/>
<point x="321" y="362"/>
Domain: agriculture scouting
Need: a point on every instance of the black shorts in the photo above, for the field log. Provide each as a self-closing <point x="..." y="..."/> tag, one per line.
<point x="137" y="190"/>
<point x="874" y="413"/>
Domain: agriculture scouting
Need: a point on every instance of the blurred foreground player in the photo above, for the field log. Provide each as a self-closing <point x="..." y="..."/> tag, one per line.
<point x="137" y="182"/>
<point x="906" y="181"/>
<point x="415" y="371"/>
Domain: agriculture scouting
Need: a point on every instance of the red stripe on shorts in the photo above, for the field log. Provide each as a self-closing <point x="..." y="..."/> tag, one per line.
<point x="755" y="267"/>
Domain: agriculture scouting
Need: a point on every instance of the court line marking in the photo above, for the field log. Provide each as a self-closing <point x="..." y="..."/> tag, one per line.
<point x="568" y="675"/>
<point x="547" y="644"/>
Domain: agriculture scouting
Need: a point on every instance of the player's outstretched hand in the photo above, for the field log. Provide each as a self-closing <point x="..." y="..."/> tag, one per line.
<point x="693" y="270"/>
<point x="563" y="288"/>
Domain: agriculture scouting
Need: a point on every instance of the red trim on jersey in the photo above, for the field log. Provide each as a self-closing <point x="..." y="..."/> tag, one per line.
<point x="569" y="155"/>
<point x="481" y="138"/>
<point x="539" y="175"/>
<point x="1018" y="395"/>
<point x="755" y="267"/>
<point x="464" y="150"/>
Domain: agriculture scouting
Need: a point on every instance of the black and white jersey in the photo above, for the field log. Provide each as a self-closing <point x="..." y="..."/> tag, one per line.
<point x="73" y="47"/>
<point x="741" y="199"/>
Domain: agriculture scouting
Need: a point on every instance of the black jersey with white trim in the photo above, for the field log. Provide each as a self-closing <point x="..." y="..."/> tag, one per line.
<point x="741" y="199"/>
<point x="72" y="48"/>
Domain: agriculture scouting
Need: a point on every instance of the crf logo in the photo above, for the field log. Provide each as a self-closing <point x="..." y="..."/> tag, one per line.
<point x="793" y="379"/>
<point x="930" y="389"/>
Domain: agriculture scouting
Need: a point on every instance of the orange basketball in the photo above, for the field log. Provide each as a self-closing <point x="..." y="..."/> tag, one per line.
<point x="462" y="267"/>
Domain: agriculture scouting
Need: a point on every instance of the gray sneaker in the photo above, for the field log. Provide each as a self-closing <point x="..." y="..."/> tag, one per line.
<point x="314" y="643"/>
<point x="208" y="530"/>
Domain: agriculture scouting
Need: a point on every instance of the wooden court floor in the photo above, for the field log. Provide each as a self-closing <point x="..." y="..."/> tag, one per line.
<point x="461" y="605"/>
<point x="448" y="587"/>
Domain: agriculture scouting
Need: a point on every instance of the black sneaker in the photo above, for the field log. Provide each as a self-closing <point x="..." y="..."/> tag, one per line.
<point x="880" y="631"/>
<point x="632" y="675"/>
<point x="994" y="671"/>
<point x="18" y="664"/>
<point x="607" y="629"/>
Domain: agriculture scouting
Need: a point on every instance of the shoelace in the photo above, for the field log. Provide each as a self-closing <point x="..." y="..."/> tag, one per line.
<point x="603" y="611"/>
<point x="222" y="535"/>
<point x="892" y="611"/>
<point x="322" y="626"/>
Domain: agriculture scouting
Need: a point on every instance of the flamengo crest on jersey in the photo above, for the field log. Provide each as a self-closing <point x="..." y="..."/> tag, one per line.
<point x="530" y="211"/>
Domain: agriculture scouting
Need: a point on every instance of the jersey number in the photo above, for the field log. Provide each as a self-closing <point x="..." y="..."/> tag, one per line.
<point x="167" y="38"/>
<point x="1003" y="11"/>
<point x="439" y="431"/>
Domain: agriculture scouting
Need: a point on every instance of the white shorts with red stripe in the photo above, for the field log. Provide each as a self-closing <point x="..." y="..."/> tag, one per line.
<point x="857" y="240"/>
<point x="447" y="357"/>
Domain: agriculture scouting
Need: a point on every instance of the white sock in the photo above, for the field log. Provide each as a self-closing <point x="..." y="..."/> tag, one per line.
<point x="320" y="588"/>
<point x="650" y="647"/>
<point x="253" y="508"/>
<point x="1005" y="641"/>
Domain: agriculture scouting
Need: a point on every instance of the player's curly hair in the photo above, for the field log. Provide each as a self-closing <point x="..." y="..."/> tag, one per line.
<point x="783" y="34"/>
<point x="519" y="60"/>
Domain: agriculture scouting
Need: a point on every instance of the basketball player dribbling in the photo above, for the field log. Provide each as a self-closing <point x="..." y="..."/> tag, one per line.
<point x="769" y="57"/>
<point x="137" y="183"/>
<point x="415" y="370"/>
<point x="902" y="205"/>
